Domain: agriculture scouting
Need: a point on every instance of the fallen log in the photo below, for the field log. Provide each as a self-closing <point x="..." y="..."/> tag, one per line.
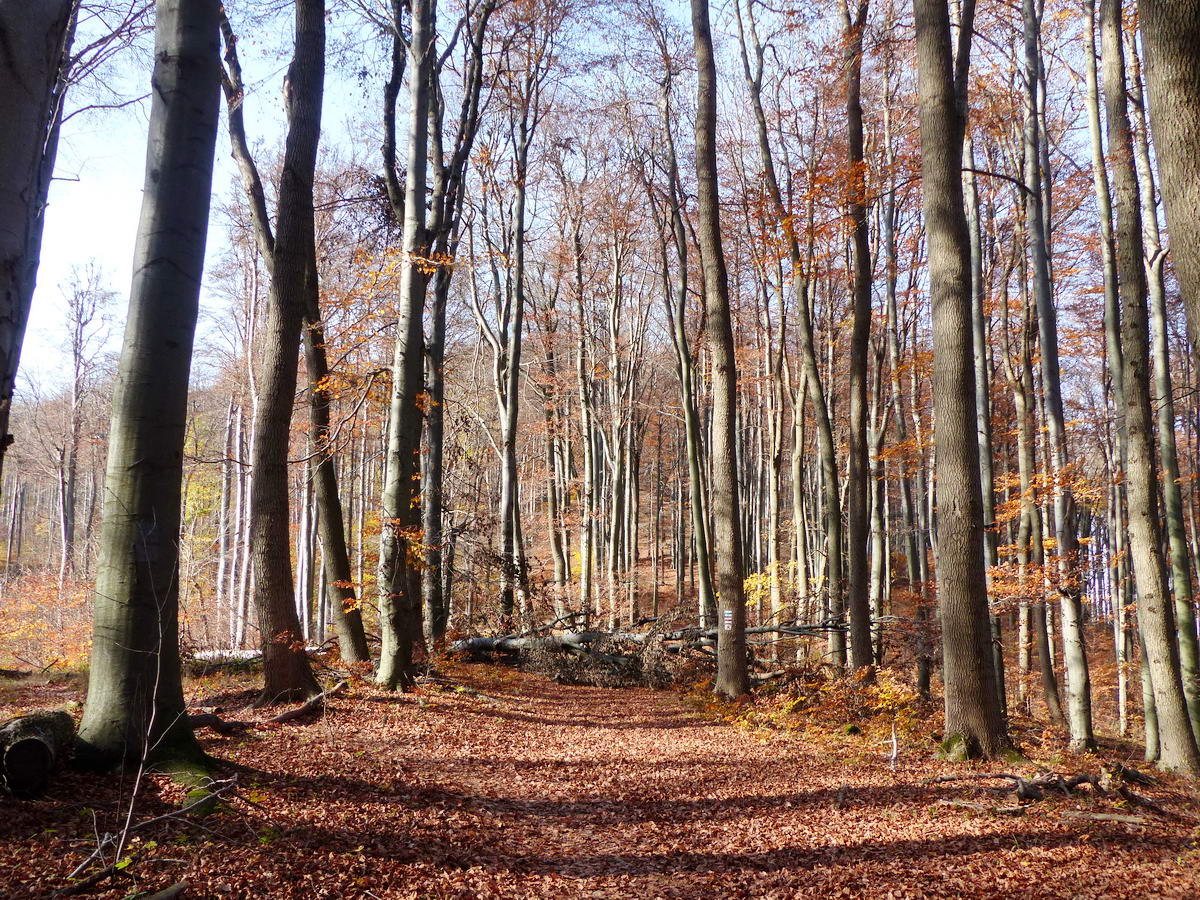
<point x="569" y="641"/>
<point x="30" y="746"/>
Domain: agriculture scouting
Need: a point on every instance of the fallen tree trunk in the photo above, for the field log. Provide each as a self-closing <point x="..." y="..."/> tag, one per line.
<point x="568" y="641"/>
<point x="30" y="746"/>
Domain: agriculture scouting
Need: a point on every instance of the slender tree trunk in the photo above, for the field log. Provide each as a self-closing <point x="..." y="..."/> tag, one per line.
<point x="399" y="582"/>
<point x="135" y="709"/>
<point x="858" y="487"/>
<point x="733" y="678"/>
<point x="1079" y="703"/>
<point x="1164" y="402"/>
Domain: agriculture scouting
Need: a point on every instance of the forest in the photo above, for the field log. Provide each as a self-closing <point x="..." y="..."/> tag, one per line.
<point x="601" y="448"/>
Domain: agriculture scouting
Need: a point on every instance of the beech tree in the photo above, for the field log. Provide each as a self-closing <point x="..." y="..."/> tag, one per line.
<point x="34" y="43"/>
<point x="399" y="553"/>
<point x="1171" y="29"/>
<point x="732" y="673"/>
<point x="343" y="598"/>
<point x="1177" y="745"/>
<point x="972" y="707"/>
<point x="135" y="710"/>
<point x="287" y="674"/>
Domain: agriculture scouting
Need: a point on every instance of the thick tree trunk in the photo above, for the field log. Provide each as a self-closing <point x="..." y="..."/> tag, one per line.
<point x="1178" y="750"/>
<point x="1171" y="31"/>
<point x="135" y="710"/>
<point x="34" y="41"/>
<point x="972" y="711"/>
<point x="1164" y="402"/>
<point x="732" y="673"/>
<point x="287" y="675"/>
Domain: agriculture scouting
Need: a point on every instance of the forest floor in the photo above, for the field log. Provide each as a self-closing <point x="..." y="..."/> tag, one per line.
<point x="492" y="782"/>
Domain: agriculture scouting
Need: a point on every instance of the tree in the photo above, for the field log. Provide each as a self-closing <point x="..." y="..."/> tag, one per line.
<point x="34" y="43"/>
<point x="733" y="677"/>
<point x="1177" y="746"/>
<point x="1079" y="699"/>
<point x="343" y="599"/>
<point x="86" y="302"/>
<point x="972" y="708"/>
<point x="1171" y="29"/>
<point x="859" y="478"/>
<point x="445" y="226"/>
<point x="135" y="709"/>
<point x="399" y="549"/>
<point x="286" y="671"/>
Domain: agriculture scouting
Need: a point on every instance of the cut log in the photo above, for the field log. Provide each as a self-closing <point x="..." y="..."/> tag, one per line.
<point x="30" y="746"/>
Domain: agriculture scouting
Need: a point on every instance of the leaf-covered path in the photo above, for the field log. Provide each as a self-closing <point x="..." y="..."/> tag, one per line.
<point x="519" y="787"/>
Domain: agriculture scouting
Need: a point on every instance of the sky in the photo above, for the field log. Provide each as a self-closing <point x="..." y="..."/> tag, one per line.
<point x="96" y="195"/>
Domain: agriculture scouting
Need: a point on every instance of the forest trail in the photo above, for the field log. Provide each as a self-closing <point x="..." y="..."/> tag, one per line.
<point x="503" y="784"/>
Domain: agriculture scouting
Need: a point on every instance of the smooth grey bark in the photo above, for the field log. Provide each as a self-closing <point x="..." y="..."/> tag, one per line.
<point x="983" y="401"/>
<point x="1113" y="355"/>
<point x="287" y="675"/>
<point x="1164" y="402"/>
<point x="446" y="209"/>
<point x="399" y="579"/>
<point x="972" y="710"/>
<point x="1079" y="700"/>
<point x="34" y="43"/>
<point x="135" y="709"/>
<point x="733" y="677"/>
<point x="1171" y="32"/>
<point x="1177" y="745"/>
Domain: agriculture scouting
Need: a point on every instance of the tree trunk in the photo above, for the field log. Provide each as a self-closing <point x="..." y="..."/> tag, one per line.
<point x="287" y="675"/>
<point x="1079" y="701"/>
<point x="858" y="488"/>
<point x="30" y="746"/>
<point x="972" y="711"/>
<point x="34" y="43"/>
<point x="1178" y="750"/>
<point x="399" y="582"/>
<point x="1171" y="31"/>
<point x="1164" y="402"/>
<point x="135" y="709"/>
<point x="732" y="674"/>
